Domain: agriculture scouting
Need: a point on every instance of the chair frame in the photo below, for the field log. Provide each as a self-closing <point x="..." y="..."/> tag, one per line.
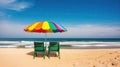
<point x="54" y="47"/>
<point x="39" y="47"/>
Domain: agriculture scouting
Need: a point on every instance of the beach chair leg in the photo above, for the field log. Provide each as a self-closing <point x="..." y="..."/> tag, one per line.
<point x="34" y="55"/>
<point x="44" y="54"/>
<point x="48" y="54"/>
<point x="59" y="54"/>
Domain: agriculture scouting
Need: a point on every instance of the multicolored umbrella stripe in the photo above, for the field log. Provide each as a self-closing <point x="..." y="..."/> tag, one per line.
<point x="45" y="27"/>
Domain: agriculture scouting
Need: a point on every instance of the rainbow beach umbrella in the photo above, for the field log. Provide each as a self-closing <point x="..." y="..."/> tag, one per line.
<point x="45" y="27"/>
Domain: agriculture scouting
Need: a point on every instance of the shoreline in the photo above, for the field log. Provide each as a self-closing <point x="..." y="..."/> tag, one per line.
<point x="69" y="47"/>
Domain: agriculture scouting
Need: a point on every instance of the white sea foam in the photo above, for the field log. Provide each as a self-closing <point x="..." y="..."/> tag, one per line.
<point x="15" y="43"/>
<point x="8" y="42"/>
<point x="90" y="43"/>
<point x="72" y="43"/>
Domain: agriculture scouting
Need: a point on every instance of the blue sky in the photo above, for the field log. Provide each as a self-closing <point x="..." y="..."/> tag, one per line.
<point x="82" y="18"/>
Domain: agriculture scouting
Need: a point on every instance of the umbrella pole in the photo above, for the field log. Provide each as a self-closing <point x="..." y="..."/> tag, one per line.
<point x="46" y="39"/>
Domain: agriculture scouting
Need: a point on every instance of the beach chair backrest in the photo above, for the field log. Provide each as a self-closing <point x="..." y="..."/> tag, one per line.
<point x="39" y="46"/>
<point x="54" y="45"/>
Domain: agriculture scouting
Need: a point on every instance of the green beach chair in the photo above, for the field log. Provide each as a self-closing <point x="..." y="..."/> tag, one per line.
<point x="39" y="48"/>
<point x="54" y="47"/>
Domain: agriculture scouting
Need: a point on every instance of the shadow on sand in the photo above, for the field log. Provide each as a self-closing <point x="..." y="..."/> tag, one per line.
<point x="52" y="54"/>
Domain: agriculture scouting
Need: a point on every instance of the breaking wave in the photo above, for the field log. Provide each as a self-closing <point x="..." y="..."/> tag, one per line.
<point x="72" y="43"/>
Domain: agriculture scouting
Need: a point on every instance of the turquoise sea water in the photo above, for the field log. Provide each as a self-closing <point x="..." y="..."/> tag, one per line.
<point x="63" y="39"/>
<point x="74" y="42"/>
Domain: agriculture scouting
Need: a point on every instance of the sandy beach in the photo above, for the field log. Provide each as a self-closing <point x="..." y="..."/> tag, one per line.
<point x="23" y="57"/>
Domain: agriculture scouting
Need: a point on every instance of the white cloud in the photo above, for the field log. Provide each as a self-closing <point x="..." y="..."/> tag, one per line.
<point x="3" y="15"/>
<point x="90" y="31"/>
<point x="5" y="2"/>
<point x="14" y="5"/>
<point x="14" y="30"/>
<point x="10" y="29"/>
<point x="19" y="6"/>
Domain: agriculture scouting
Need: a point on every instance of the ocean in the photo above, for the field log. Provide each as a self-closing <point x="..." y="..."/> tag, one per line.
<point x="73" y="42"/>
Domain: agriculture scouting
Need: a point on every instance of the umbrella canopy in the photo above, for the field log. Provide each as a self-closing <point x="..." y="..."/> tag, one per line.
<point x="45" y="27"/>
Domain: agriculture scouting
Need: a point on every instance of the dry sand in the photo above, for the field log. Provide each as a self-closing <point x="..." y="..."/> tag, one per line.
<point x="23" y="57"/>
